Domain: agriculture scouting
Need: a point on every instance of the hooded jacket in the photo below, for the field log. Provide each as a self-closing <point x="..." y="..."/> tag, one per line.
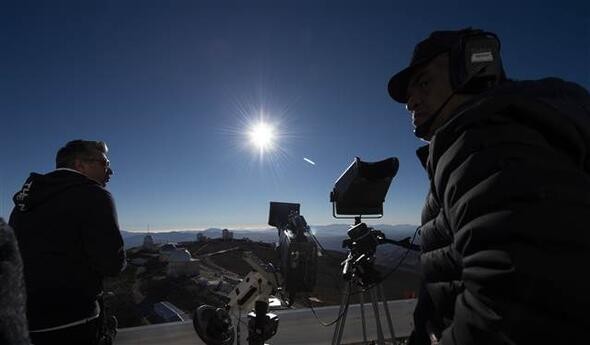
<point x="68" y="234"/>
<point x="505" y="235"/>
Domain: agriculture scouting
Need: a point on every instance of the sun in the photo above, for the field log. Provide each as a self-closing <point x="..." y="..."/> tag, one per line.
<point x="262" y="136"/>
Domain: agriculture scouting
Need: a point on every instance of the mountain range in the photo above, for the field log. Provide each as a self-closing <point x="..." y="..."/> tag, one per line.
<point x="329" y="236"/>
<point x="330" y="233"/>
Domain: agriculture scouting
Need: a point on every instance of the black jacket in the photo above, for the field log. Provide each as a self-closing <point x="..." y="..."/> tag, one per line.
<point x="505" y="234"/>
<point x="68" y="234"/>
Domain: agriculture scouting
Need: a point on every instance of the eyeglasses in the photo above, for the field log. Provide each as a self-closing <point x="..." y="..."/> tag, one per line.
<point x="104" y="162"/>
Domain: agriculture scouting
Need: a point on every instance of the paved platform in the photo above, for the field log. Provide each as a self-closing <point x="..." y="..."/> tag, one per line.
<point x="296" y="327"/>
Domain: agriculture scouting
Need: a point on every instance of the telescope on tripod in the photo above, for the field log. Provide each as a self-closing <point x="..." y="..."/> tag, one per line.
<point x="360" y="192"/>
<point x="297" y="251"/>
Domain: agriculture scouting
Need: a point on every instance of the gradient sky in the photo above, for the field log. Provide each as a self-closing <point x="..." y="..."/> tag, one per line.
<point x="172" y="86"/>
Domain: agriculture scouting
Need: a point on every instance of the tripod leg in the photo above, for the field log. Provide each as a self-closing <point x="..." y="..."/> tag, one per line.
<point x="362" y="304"/>
<point x="387" y="314"/>
<point x="337" y="337"/>
<point x="374" y="301"/>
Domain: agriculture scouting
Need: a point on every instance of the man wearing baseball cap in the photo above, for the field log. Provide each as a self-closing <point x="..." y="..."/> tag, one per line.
<point x="505" y="241"/>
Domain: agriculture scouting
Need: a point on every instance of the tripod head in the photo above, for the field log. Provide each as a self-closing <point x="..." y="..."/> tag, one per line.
<point x="362" y="244"/>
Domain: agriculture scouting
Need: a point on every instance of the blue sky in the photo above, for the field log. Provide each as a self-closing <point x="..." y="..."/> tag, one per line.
<point x="172" y="86"/>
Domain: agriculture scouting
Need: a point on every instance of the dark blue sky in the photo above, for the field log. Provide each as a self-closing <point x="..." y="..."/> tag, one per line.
<point x="171" y="86"/>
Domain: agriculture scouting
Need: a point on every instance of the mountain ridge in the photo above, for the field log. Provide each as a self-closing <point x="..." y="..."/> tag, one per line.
<point x="134" y="239"/>
<point x="330" y="237"/>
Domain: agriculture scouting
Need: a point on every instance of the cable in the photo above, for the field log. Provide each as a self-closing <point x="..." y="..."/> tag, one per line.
<point x="327" y="254"/>
<point x="421" y="130"/>
<point x="238" y="326"/>
<point x="403" y="257"/>
<point x="323" y="250"/>
<point x="239" y="317"/>
<point x="339" y="316"/>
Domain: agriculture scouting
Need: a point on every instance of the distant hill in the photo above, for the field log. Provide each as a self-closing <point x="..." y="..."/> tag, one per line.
<point x="135" y="239"/>
<point x="329" y="236"/>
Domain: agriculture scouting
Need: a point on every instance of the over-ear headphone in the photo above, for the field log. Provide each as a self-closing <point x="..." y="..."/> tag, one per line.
<point x="474" y="66"/>
<point x="474" y="62"/>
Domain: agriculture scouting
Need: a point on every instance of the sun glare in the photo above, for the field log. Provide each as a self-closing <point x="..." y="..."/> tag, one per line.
<point x="262" y="136"/>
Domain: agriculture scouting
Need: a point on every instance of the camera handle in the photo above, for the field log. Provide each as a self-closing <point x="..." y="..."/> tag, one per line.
<point x="405" y="243"/>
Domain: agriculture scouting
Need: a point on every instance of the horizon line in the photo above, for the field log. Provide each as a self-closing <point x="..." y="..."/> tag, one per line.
<point x="245" y="227"/>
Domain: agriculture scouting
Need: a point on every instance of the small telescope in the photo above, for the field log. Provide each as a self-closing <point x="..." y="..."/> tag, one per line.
<point x="362" y="187"/>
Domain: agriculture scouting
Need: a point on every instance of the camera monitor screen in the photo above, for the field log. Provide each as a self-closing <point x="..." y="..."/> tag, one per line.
<point x="280" y="212"/>
<point x="361" y="189"/>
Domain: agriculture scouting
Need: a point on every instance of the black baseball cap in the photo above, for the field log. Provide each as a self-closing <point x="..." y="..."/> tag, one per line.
<point x="437" y="43"/>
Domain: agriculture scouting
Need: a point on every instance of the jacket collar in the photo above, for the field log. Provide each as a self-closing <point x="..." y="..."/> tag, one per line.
<point x="422" y="154"/>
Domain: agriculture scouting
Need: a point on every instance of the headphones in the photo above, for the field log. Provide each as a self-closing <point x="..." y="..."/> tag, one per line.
<point x="474" y="62"/>
<point x="474" y="66"/>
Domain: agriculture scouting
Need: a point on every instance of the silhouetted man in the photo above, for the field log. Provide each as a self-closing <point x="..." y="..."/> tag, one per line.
<point x="505" y="238"/>
<point x="68" y="234"/>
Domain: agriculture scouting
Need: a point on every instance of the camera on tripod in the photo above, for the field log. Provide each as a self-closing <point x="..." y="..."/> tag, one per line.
<point x="360" y="192"/>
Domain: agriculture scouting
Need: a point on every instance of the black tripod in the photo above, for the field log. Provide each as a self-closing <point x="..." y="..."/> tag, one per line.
<point x="359" y="272"/>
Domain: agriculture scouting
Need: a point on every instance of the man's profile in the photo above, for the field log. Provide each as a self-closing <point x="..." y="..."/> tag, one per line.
<point x="504" y="233"/>
<point x="68" y="234"/>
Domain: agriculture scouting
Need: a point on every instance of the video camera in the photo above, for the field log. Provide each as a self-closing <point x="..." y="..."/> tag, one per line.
<point x="360" y="191"/>
<point x="297" y="249"/>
